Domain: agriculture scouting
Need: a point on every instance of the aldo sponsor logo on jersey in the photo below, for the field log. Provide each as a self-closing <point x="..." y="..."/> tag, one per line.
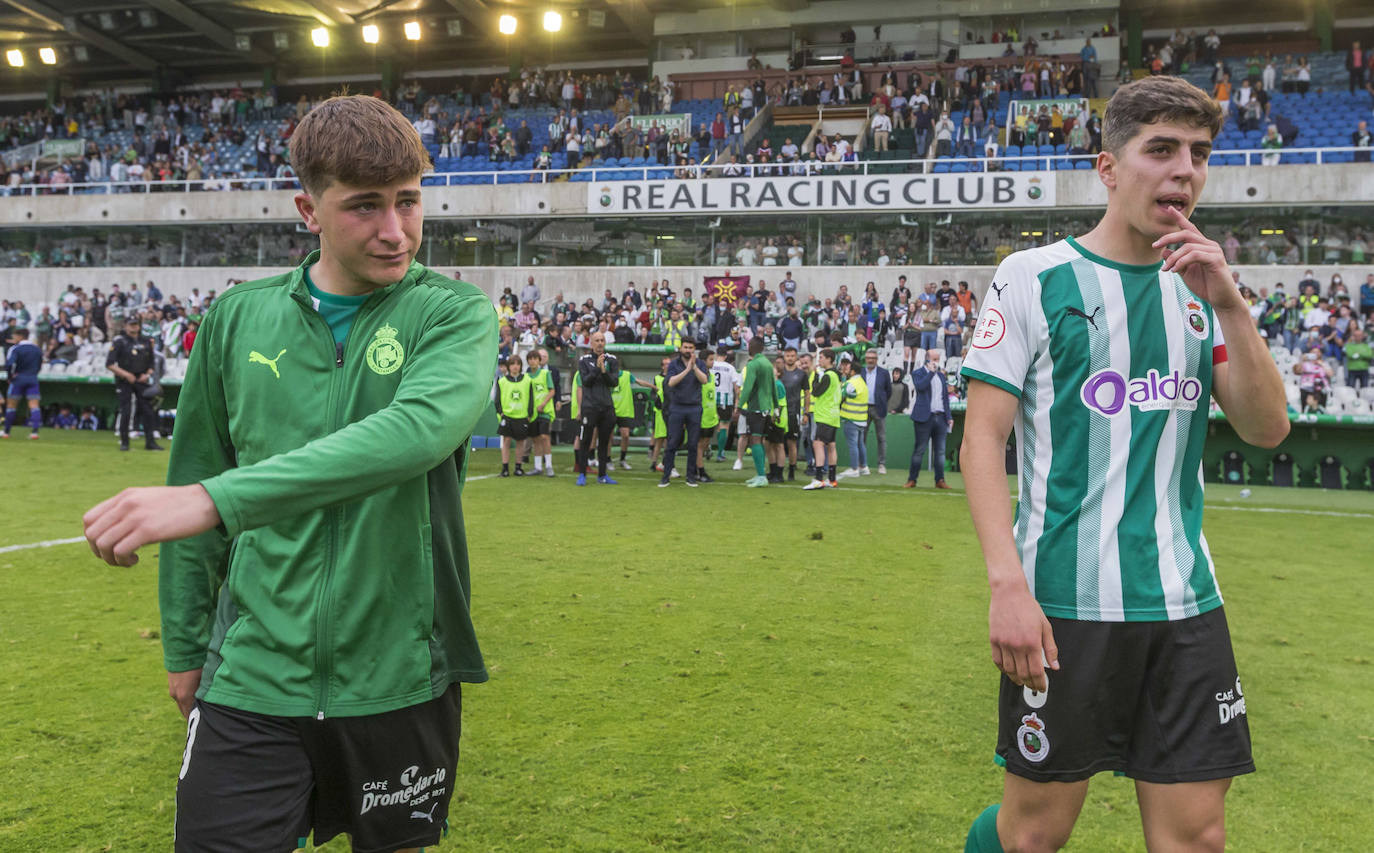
<point x="1230" y="704"/>
<point x="1108" y="392"/>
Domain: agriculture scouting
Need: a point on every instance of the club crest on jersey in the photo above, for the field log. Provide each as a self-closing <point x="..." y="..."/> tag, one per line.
<point x="385" y="354"/>
<point x="1196" y="319"/>
<point x="1032" y="740"/>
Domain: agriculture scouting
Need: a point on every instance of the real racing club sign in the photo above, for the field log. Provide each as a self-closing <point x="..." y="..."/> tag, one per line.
<point x="823" y="193"/>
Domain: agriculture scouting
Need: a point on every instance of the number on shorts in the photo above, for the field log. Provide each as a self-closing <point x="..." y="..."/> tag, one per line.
<point x="192" y="723"/>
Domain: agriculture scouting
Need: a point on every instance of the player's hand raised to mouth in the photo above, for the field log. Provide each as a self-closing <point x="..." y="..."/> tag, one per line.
<point x="1201" y="263"/>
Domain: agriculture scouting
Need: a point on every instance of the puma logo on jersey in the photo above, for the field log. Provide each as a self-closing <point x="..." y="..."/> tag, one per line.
<point x="256" y="357"/>
<point x="1091" y="318"/>
<point x="998" y="290"/>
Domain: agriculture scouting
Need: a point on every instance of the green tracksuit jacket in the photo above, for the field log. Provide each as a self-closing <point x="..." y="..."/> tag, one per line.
<point x="338" y="582"/>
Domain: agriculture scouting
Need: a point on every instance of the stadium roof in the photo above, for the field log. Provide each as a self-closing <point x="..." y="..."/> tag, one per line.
<point x="101" y="41"/>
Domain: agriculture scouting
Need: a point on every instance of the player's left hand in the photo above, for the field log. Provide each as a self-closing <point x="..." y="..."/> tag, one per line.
<point x="1201" y="263"/>
<point x="118" y="527"/>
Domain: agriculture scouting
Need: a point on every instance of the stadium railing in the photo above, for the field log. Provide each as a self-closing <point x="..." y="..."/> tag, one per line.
<point x="629" y="171"/>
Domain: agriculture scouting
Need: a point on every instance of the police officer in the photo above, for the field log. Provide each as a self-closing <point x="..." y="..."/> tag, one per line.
<point x="131" y="361"/>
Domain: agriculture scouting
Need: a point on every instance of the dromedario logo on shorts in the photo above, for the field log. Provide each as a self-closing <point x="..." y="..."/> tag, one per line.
<point x="1108" y="392"/>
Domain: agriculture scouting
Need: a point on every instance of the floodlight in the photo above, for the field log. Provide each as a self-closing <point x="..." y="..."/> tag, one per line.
<point x="281" y="41"/>
<point x="371" y="34"/>
<point x="553" y="22"/>
<point x="412" y="30"/>
<point x="48" y="55"/>
<point x="320" y="36"/>
<point x="15" y="58"/>
<point x="507" y="25"/>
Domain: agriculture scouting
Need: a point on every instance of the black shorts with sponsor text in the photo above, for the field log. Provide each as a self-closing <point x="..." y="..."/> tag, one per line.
<point x="1154" y="701"/>
<point x="253" y="782"/>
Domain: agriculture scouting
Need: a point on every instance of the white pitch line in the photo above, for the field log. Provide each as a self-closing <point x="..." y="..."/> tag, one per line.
<point x="48" y="544"/>
<point x="1327" y="512"/>
<point x="924" y="492"/>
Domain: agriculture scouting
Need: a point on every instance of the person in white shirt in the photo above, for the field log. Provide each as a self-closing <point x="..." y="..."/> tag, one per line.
<point x="796" y="255"/>
<point x="770" y="254"/>
<point x="1242" y="96"/>
<point x="944" y="135"/>
<point x="1316" y="317"/>
<point x="425" y="127"/>
<point x="883" y="259"/>
<point x="746" y="256"/>
<point x="954" y="309"/>
<point x="882" y="129"/>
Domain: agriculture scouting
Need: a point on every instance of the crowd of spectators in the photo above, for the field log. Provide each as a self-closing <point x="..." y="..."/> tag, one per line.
<point x="177" y="137"/>
<point x="937" y="317"/>
<point x="1321" y="330"/>
<point x="80" y="326"/>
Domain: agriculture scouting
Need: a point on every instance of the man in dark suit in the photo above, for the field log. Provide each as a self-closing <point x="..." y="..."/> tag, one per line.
<point x="931" y="417"/>
<point x="879" y="383"/>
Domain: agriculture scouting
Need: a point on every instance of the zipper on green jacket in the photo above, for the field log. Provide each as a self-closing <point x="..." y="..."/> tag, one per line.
<point x="323" y="657"/>
<point x="323" y="648"/>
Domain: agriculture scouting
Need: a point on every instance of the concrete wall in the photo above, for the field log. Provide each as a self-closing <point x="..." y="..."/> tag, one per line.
<point x="857" y="12"/>
<point x="737" y="65"/>
<point x="1258" y="186"/>
<point x="39" y="286"/>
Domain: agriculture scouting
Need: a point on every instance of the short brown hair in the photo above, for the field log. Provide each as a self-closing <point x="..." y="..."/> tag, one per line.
<point x="1153" y="99"/>
<point x="358" y="140"/>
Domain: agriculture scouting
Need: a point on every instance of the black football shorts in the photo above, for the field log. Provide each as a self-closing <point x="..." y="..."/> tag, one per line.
<point x="514" y="428"/>
<point x="252" y="783"/>
<point x="1154" y="701"/>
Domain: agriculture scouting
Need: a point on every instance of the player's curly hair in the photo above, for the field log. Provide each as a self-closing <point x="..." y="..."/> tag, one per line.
<point x="1153" y="99"/>
<point x="357" y="140"/>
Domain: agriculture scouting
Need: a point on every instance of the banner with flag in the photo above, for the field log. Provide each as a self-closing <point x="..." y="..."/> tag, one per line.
<point x="730" y="291"/>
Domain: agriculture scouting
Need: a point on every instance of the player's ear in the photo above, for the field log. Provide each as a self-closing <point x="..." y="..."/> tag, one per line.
<point x="1106" y="169"/>
<point x="305" y="205"/>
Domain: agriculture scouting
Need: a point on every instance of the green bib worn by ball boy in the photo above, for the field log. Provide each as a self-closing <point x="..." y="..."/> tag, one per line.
<point x="517" y="397"/>
<point x="825" y="407"/>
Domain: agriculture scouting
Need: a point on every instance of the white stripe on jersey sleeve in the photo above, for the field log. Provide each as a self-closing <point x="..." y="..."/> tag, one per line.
<point x="1035" y="415"/>
<point x="1002" y="344"/>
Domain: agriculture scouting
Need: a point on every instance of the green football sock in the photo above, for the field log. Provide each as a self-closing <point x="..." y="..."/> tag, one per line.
<point x="756" y="451"/>
<point x="982" y="836"/>
<point x="722" y="441"/>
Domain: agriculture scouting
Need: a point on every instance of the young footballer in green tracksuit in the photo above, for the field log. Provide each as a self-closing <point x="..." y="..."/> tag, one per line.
<point x="758" y="397"/>
<point x="314" y="582"/>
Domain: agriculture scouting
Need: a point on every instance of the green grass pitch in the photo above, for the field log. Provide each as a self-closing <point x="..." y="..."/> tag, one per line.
<point x="714" y="669"/>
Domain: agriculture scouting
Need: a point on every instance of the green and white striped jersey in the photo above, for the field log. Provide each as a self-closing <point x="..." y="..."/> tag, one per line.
<point x="1112" y="364"/>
